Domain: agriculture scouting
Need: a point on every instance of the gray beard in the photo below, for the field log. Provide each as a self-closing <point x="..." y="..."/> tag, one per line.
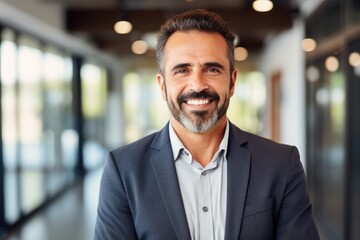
<point x="200" y="126"/>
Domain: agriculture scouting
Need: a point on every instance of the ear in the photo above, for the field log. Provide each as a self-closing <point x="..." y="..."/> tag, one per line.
<point x="232" y="82"/>
<point x="161" y="81"/>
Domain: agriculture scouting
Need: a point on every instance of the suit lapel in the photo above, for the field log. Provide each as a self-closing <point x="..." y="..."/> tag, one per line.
<point x="238" y="166"/>
<point x="238" y="159"/>
<point x="165" y="173"/>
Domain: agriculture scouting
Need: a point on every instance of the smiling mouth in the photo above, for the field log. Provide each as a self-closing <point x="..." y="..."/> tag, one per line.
<point x="198" y="102"/>
<point x="198" y="99"/>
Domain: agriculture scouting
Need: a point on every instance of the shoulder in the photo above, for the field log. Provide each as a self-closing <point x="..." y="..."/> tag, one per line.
<point x="256" y="142"/>
<point x="265" y="153"/>
<point x="135" y="149"/>
<point x="141" y="149"/>
<point x="141" y="143"/>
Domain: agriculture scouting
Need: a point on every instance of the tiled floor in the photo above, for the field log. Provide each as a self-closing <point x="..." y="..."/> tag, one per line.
<point x="71" y="217"/>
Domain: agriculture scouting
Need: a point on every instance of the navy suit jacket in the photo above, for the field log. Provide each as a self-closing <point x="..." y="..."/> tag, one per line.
<point x="267" y="196"/>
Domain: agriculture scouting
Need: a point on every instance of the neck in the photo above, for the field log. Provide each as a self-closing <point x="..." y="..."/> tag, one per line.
<point x="202" y="146"/>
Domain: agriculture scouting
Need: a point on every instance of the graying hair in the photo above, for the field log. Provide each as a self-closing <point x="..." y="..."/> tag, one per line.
<point x="201" y="20"/>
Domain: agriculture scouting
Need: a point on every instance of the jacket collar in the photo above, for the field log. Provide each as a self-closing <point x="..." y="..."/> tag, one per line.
<point x="238" y="176"/>
<point x="165" y="173"/>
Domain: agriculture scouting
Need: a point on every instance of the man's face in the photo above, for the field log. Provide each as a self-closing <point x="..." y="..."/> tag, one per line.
<point x="197" y="83"/>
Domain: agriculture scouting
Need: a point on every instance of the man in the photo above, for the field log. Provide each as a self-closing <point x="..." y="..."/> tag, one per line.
<point x="201" y="177"/>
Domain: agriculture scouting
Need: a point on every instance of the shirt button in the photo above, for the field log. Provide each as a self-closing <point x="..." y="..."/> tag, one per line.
<point x="205" y="209"/>
<point x="203" y="173"/>
<point x="186" y="153"/>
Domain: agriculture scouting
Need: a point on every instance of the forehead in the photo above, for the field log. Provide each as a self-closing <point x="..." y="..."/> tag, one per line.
<point x="195" y="46"/>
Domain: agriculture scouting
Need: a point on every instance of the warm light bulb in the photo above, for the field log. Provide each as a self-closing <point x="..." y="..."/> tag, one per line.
<point x="241" y="54"/>
<point x="354" y="59"/>
<point x="139" y="47"/>
<point x="262" y="5"/>
<point x="332" y="64"/>
<point x="123" y="27"/>
<point x="308" y="44"/>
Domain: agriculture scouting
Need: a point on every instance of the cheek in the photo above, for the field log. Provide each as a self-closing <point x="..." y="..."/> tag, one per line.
<point x="224" y="91"/>
<point x="173" y="96"/>
<point x="167" y="94"/>
<point x="174" y="91"/>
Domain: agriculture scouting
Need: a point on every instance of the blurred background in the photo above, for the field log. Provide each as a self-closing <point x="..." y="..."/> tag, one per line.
<point x="78" y="79"/>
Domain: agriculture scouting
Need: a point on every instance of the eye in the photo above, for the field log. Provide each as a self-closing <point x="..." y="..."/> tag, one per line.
<point x="213" y="70"/>
<point x="181" y="71"/>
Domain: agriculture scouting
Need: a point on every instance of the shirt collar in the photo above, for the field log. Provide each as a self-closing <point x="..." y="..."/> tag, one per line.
<point x="177" y="145"/>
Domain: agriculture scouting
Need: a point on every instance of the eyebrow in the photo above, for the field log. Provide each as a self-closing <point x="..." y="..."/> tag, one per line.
<point x="180" y="65"/>
<point x="209" y="64"/>
<point x="214" y="64"/>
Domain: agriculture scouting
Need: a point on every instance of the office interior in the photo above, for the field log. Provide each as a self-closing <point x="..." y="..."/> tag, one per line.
<point x="72" y="89"/>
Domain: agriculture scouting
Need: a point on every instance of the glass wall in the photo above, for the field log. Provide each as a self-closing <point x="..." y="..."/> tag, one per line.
<point x="30" y="124"/>
<point x="59" y="134"/>
<point x="326" y="140"/>
<point x="354" y="137"/>
<point x="144" y="109"/>
<point x="53" y="121"/>
<point x="10" y="146"/>
<point x="333" y="132"/>
<point x="94" y="109"/>
<point x="247" y="106"/>
<point x="39" y="139"/>
<point x="40" y="121"/>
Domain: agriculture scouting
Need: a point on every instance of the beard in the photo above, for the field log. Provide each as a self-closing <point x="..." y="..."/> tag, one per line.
<point x="198" y="121"/>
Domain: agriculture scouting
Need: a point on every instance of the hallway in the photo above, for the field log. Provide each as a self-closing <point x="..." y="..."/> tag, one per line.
<point x="72" y="216"/>
<point x="72" y="89"/>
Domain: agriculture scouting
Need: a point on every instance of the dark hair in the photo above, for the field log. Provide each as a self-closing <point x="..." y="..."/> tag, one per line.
<point x="201" y="20"/>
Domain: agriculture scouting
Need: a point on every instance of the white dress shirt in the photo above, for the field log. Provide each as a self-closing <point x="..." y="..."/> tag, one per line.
<point x="203" y="190"/>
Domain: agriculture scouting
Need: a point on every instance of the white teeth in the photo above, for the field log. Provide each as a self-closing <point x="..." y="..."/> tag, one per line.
<point x="198" y="102"/>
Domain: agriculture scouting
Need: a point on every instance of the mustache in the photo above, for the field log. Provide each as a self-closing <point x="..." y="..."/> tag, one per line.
<point x="203" y="94"/>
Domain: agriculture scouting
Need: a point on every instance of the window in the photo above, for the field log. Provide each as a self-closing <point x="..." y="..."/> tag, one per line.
<point x="39" y="140"/>
<point x="94" y="108"/>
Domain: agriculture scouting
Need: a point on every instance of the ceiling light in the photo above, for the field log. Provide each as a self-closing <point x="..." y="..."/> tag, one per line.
<point x="123" y="27"/>
<point x="332" y="64"/>
<point x="354" y="59"/>
<point x="308" y="44"/>
<point x="241" y="54"/>
<point x="139" y="47"/>
<point x="262" y="5"/>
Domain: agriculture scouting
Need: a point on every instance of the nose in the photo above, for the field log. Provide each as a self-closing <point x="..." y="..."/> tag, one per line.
<point x="197" y="81"/>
